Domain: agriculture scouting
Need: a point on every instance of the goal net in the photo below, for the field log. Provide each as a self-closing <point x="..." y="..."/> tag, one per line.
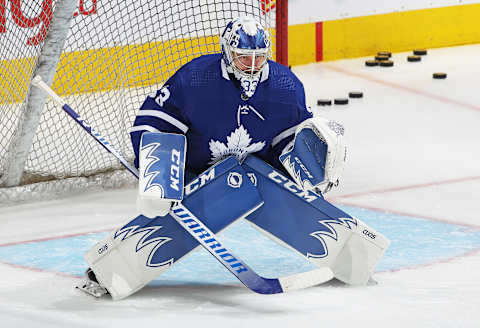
<point x="114" y="53"/>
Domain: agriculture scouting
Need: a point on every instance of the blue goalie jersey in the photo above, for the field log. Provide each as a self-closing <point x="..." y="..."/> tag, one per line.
<point x="203" y="102"/>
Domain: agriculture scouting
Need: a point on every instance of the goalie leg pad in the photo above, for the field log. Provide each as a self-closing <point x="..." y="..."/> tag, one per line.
<point x="142" y="249"/>
<point x="305" y="222"/>
<point x="357" y="260"/>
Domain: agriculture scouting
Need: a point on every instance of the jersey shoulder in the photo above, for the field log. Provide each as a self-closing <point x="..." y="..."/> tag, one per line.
<point x="201" y="71"/>
<point x="282" y="78"/>
<point x="204" y="60"/>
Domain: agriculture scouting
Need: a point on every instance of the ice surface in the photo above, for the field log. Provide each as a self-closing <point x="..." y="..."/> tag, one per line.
<point x="413" y="173"/>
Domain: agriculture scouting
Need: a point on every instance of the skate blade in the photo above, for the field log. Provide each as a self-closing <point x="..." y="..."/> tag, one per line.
<point x="92" y="288"/>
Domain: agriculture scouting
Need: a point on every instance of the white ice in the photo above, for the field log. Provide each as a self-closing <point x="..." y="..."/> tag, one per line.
<point x="413" y="149"/>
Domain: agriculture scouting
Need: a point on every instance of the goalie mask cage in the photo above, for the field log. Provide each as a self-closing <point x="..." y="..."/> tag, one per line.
<point x="103" y="58"/>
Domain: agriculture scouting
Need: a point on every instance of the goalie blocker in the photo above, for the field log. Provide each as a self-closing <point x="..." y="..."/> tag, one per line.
<point x="161" y="172"/>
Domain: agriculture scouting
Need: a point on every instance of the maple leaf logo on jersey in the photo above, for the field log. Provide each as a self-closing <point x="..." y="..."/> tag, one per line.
<point x="238" y="144"/>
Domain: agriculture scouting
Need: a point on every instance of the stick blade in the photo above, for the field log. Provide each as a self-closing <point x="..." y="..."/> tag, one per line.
<point x="306" y="279"/>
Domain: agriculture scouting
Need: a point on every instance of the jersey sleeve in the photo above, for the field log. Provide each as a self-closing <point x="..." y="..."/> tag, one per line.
<point x="162" y="112"/>
<point x="300" y="113"/>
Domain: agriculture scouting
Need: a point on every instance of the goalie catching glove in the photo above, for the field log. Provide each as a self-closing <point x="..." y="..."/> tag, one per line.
<point x="316" y="157"/>
<point x="161" y="172"/>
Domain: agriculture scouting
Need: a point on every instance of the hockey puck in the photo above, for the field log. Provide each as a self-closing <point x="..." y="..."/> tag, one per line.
<point x="381" y="58"/>
<point x="414" y="58"/>
<point x="419" y="52"/>
<point x="324" y="102"/>
<point x="439" y="75"/>
<point x="386" y="63"/>
<point x="355" y="94"/>
<point x="341" y="101"/>
<point x="371" y="63"/>
<point x="384" y="53"/>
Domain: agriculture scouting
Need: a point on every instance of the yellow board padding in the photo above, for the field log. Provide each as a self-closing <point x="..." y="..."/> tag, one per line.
<point x="108" y="68"/>
<point x="14" y="79"/>
<point x="401" y="31"/>
<point x="127" y="66"/>
<point x="301" y="44"/>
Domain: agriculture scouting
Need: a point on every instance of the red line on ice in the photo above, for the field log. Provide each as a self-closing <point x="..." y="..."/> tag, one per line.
<point x="424" y="265"/>
<point x="54" y="237"/>
<point x="58" y="273"/>
<point x="412" y="215"/>
<point x="401" y="188"/>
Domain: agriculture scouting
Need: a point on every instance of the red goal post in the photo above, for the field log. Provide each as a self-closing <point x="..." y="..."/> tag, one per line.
<point x="104" y="57"/>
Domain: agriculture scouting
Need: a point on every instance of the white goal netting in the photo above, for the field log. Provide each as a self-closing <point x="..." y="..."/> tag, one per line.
<point x="115" y="53"/>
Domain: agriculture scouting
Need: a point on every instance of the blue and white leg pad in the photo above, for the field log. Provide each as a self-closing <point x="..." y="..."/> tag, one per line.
<point x="299" y="219"/>
<point x="305" y="222"/>
<point x="142" y="249"/>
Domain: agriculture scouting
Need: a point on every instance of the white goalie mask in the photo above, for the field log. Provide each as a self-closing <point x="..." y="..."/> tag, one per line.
<point x="245" y="49"/>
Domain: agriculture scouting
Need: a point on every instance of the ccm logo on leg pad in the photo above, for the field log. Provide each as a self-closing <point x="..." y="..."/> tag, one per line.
<point x="369" y="234"/>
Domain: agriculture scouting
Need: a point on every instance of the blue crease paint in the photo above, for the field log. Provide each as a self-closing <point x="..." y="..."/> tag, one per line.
<point x="414" y="242"/>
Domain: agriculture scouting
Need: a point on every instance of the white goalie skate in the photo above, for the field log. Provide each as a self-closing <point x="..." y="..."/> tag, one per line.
<point x="91" y="286"/>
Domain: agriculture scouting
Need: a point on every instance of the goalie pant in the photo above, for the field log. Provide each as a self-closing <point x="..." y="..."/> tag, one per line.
<point x="141" y="250"/>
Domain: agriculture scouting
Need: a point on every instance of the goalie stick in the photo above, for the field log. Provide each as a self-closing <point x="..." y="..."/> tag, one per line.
<point x="185" y="218"/>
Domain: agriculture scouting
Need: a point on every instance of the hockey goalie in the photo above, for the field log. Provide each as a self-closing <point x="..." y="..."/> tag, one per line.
<point x="230" y="137"/>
